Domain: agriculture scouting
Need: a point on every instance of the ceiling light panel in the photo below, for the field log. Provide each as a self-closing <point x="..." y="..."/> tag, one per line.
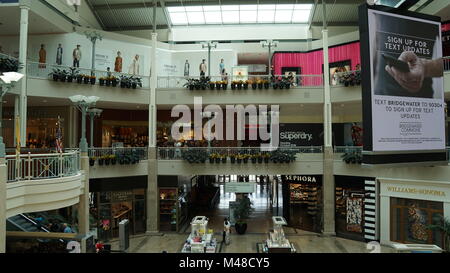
<point x="266" y="16"/>
<point x="195" y="18"/>
<point x="178" y="18"/>
<point x="213" y="17"/>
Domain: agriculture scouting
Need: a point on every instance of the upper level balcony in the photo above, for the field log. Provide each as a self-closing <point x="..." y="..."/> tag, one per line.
<point x="42" y="182"/>
<point x="47" y="80"/>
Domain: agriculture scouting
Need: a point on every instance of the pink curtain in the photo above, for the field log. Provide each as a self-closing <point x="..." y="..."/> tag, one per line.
<point x="311" y="62"/>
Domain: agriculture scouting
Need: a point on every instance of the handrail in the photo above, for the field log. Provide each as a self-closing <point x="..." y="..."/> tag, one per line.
<point x="42" y="166"/>
<point x="142" y="152"/>
<point x="175" y="153"/>
<point x="446" y="63"/>
<point x="300" y="81"/>
<point x="42" y="71"/>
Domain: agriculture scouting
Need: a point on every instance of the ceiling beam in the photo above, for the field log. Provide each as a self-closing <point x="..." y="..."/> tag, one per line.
<point x="166" y="16"/>
<point x="336" y="24"/>
<point x="144" y="27"/>
<point x="126" y="6"/>
<point x="313" y="12"/>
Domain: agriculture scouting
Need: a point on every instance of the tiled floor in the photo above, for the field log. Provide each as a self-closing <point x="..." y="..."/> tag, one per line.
<point x="258" y="227"/>
<point x="304" y="243"/>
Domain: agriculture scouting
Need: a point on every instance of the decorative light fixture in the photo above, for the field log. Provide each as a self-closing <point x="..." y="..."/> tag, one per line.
<point x="209" y="45"/>
<point x="269" y="44"/>
<point x="83" y="103"/>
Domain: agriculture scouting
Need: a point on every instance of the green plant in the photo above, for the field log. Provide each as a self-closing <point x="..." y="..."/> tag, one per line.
<point x="8" y="64"/>
<point x="283" y="156"/>
<point x="444" y="227"/>
<point x="353" y="157"/>
<point x="243" y="210"/>
<point x="194" y="155"/>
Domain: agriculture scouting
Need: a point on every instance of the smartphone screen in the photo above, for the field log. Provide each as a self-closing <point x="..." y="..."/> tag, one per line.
<point x="398" y="64"/>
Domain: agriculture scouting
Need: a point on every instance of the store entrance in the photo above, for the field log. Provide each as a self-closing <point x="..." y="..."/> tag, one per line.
<point x="213" y="197"/>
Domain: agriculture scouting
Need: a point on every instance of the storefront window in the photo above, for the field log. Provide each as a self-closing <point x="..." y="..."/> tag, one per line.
<point x="410" y="221"/>
<point x="131" y="134"/>
<point x="350" y="209"/>
<point x="115" y="206"/>
<point x="303" y="195"/>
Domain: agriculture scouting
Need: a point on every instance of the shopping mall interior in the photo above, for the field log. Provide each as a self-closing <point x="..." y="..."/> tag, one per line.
<point x="253" y="126"/>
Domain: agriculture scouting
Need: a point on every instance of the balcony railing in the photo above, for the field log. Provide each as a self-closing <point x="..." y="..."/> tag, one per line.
<point x="347" y="149"/>
<point x="42" y="166"/>
<point x="300" y="81"/>
<point x="43" y="71"/>
<point x="447" y="63"/>
<point x="176" y="153"/>
<point x="141" y="152"/>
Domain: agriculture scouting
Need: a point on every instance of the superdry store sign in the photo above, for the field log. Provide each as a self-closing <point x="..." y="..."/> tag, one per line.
<point x="301" y="134"/>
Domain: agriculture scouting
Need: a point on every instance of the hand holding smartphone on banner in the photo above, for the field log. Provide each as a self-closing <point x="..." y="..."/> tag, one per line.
<point x="408" y="70"/>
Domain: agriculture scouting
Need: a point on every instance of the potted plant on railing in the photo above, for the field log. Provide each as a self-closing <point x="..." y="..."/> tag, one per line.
<point x="223" y="158"/>
<point x="107" y="160"/>
<point x="55" y="74"/>
<point x="266" y="84"/>
<point x="254" y="84"/>
<point x="254" y="158"/>
<point x="92" y="161"/>
<point x="246" y="84"/>
<point x="113" y="159"/>
<point x="242" y="211"/>
<point x="219" y="85"/>
<point x="102" y="81"/>
<point x="92" y="79"/>
<point x="101" y="160"/>
<point x="190" y="83"/>
<point x="80" y="78"/>
<point x="74" y="73"/>
<point x="135" y="82"/>
<point x="212" y="157"/>
<point x="232" y="158"/>
<point x="260" y="84"/>
<point x="63" y="76"/>
<point x="239" y="84"/>
<point x="233" y="85"/>
<point x="113" y="81"/>
<point x="224" y="85"/>
<point x="212" y="85"/>
<point x="245" y="158"/>
<point x="239" y="158"/>
<point x="259" y="158"/>
<point x="352" y="157"/>
<point x="266" y="157"/>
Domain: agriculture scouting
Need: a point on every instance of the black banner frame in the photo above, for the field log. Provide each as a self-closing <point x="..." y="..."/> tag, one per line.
<point x="369" y="157"/>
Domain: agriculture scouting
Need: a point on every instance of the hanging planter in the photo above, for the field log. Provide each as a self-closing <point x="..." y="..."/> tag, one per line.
<point x="266" y="85"/>
<point x="224" y="86"/>
<point x="254" y="86"/>
<point x="80" y="79"/>
<point x="101" y="161"/>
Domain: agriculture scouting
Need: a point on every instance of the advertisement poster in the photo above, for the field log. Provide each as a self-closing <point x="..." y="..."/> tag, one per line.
<point x="240" y="73"/>
<point x="301" y="134"/>
<point x="354" y="214"/>
<point x="407" y="87"/>
<point x="103" y="59"/>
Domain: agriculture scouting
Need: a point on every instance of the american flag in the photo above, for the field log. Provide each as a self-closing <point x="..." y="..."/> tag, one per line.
<point x="59" y="144"/>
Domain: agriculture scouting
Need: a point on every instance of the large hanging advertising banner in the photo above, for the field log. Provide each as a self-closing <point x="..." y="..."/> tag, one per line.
<point x="403" y="85"/>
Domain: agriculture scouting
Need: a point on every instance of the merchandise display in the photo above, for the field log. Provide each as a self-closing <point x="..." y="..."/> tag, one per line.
<point x="201" y="238"/>
<point x="277" y="242"/>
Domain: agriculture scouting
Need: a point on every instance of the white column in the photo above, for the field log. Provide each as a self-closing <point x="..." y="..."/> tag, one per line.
<point x="83" y="205"/>
<point x="3" y="176"/>
<point x="152" y="182"/>
<point x="16" y="114"/>
<point x="327" y="115"/>
<point x="24" y="11"/>
<point x="328" y="157"/>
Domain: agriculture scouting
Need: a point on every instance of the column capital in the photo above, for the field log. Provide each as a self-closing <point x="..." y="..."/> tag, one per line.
<point x="25" y="4"/>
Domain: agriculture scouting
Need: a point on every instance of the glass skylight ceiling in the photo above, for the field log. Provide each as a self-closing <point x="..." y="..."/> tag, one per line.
<point x="240" y="14"/>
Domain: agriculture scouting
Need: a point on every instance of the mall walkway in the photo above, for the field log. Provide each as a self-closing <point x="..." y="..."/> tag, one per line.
<point x="304" y="242"/>
<point x="260" y="220"/>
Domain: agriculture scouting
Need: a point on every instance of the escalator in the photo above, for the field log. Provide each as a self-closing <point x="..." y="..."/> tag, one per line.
<point x="21" y="222"/>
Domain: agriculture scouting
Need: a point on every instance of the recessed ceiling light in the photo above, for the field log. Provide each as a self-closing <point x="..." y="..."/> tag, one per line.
<point x="138" y="107"/>
<point x="342" y="105"/>
<point x="5" y="101"/>
<point x="44" y="101"/>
